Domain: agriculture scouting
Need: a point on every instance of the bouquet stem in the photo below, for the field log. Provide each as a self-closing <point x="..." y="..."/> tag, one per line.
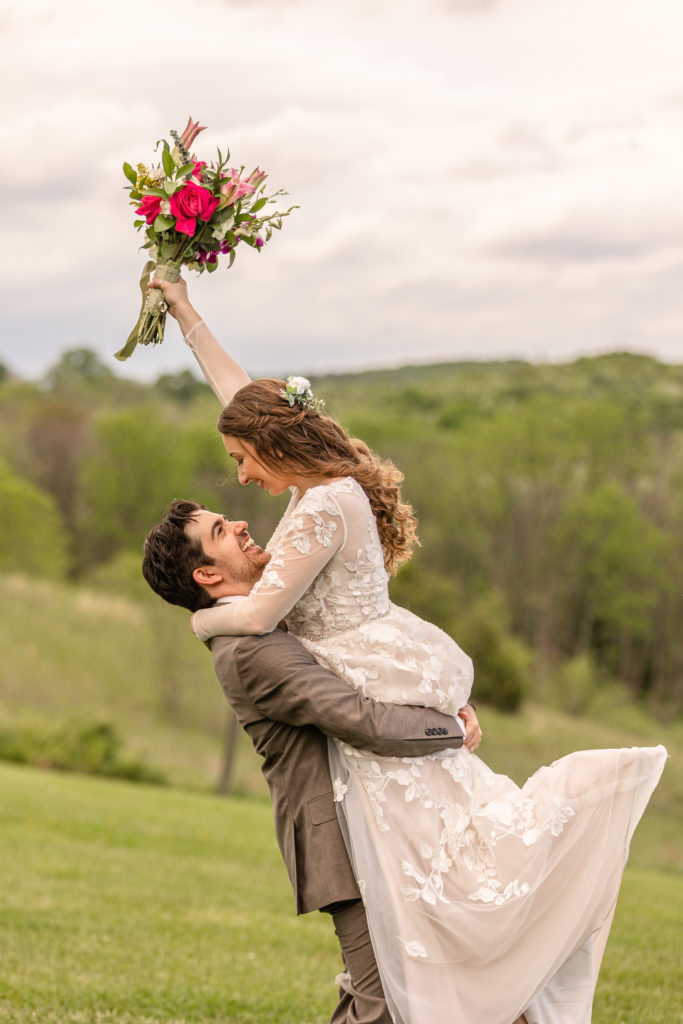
<point x="149" y="329"/>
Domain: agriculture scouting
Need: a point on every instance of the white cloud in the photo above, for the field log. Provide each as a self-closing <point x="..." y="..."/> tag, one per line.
<point x="468" y="184"/>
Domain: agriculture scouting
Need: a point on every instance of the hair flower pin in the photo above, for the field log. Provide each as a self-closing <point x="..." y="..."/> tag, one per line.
<point x="298" y="391"/>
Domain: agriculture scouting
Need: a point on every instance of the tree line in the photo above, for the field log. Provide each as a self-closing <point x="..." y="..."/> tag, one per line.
<point x="550" y="501"/>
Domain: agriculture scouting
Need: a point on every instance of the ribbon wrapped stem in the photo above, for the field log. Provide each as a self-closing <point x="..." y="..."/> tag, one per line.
<point x="149" y="328"/>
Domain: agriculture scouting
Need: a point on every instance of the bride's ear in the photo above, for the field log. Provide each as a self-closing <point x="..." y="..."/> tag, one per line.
<point x="207" y="575"/>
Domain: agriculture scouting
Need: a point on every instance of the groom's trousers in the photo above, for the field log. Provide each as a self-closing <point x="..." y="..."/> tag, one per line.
<point x="361" y="999"/>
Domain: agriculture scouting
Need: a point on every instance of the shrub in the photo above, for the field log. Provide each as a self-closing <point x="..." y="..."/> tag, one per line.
<point x="92" y="748"/>
<point x="502" y="662"/>
<point x="33" y="538"/>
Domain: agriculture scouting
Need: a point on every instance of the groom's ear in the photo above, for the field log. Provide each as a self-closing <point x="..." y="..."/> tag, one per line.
<point x="207" y="575"/>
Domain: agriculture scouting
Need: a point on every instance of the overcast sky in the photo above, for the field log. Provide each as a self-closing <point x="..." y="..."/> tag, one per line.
<point x="476" y="178"/>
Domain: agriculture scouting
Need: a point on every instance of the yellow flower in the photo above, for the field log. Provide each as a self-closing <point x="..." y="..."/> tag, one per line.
<point x="143" y="177"/>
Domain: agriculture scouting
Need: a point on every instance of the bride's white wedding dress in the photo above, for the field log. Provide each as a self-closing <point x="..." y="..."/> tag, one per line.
<point x="484" y="900"/>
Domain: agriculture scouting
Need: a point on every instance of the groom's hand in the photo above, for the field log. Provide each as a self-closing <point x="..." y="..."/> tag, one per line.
<point x="473" y="733"/>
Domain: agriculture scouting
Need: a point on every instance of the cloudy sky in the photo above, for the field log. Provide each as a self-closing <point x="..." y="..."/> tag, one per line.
<point x="476" y="178"/>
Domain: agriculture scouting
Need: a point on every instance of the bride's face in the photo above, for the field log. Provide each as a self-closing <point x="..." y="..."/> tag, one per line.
<point x="250" y="470"/>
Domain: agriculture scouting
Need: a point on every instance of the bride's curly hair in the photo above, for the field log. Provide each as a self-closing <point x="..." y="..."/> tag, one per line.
<point x="310" y="443"/>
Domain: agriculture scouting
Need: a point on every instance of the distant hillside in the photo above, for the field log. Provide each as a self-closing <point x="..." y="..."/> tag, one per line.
<point x="550" y="502"/>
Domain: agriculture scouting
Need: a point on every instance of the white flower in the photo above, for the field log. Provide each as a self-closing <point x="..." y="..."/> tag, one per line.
<point x="339" y="790"/>
<point x="298" y="391"/>
<point x="298" y="385"/>
<point x="165" y="207"/>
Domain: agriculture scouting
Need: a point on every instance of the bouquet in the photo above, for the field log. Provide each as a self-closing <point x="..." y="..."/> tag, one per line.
<point x="192" y="212"/>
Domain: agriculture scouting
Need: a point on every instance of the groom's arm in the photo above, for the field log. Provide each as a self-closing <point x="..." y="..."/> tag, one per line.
<point x="286" y="684"/>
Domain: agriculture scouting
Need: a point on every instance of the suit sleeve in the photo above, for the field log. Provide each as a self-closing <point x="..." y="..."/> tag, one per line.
<point x="287" y="685"/>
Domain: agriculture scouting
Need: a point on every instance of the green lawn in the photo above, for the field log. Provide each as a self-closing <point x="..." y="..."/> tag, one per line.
<point x="125" y="904"/>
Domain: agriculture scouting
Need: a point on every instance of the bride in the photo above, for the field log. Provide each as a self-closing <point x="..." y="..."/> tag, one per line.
<point x="487" y="903"/>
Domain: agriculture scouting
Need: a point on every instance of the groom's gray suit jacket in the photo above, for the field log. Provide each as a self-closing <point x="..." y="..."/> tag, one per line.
<point x="286" y="702"/>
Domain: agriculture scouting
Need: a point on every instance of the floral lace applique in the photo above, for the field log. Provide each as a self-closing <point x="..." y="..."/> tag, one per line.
<point x="459" y="840"/>
<point x="271" y="576"/>
<point x="352" y="587"/>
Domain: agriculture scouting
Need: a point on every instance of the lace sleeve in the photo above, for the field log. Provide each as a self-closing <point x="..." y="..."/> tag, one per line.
<point x="314" y="533"/>
<point x="223" y="374"/>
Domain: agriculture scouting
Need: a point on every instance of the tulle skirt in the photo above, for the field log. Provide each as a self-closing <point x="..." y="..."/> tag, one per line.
<point x="485" y="899"/>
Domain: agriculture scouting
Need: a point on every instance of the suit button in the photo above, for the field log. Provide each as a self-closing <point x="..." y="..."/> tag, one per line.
<point x="428" y="732"/>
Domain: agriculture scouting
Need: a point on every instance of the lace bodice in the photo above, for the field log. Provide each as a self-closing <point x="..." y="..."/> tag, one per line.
<point x="353" y="586"/>
<point x="326" y="577"/>
<point x="326" y="572"/>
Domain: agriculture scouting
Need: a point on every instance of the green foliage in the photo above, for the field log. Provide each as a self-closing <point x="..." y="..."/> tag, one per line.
<point x="576" y="684"/>
<point x="77" y="364"/>
<point x="617" y="576"/>
<point x="91" y="748"/>
<point x="182" y="386"/>
<point x="558" y="487"/>
<point x="139" y="464"/>
<point x="502" y="663"/>
<point x="115" y="652"/>
<point x="32" y="537"/>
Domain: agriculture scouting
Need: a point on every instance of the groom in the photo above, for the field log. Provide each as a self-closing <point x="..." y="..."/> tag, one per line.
<point x="288" y="704"/>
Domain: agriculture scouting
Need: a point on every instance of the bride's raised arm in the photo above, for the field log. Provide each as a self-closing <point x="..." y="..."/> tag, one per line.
<point x="224" y="375"/>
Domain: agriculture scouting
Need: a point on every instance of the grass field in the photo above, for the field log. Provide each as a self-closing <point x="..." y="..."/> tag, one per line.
<point x="128" y="904"/>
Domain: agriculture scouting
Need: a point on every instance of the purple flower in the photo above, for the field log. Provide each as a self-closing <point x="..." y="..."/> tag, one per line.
<point x="258" y="241"/>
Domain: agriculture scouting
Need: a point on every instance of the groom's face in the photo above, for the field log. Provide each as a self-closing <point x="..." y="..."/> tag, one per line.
<point x="229" y="549"/>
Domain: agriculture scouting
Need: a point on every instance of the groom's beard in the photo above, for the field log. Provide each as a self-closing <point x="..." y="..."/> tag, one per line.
<point x="245" y="570"/>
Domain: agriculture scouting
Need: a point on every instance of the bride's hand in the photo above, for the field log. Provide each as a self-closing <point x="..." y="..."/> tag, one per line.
<point x="175" y="296"/>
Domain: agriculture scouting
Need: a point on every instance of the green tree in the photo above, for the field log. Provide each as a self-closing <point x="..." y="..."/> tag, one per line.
<point x="138" y="464"/>
<point x="182" y="386"/>
<point x="77" y="364"/>
<point x="32" y="539"/>
<point x="56" y="437"/>
<point x="502" y="662"/>
<point x="616" y="575"/>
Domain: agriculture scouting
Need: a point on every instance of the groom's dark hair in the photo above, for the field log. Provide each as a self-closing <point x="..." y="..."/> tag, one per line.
<point x="170" y="555"/>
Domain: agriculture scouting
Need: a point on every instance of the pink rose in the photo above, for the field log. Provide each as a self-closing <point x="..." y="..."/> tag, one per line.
<point x="149" y="208"/>
<point x="189" y="203"/>
<point x="199" y="169"/>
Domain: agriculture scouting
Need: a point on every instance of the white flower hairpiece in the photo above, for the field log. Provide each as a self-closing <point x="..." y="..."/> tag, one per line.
<point x="298" y="390"/>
